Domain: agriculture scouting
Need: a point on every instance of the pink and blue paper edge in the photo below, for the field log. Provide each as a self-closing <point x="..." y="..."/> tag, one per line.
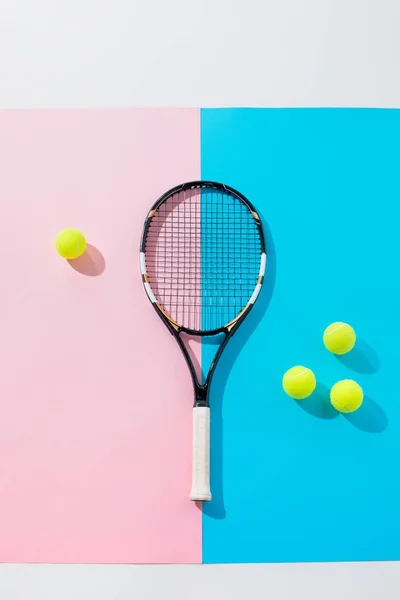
<point x="291" y="482"/>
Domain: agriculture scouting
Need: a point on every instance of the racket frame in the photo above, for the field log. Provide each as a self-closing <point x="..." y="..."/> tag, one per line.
<point x="201" y="390"/>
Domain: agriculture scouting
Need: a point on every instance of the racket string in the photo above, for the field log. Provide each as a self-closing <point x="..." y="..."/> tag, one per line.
<point x="203" y="253"/>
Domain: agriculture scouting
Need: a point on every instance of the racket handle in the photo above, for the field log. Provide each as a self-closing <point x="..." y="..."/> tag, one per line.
<point x="201" y="455"/>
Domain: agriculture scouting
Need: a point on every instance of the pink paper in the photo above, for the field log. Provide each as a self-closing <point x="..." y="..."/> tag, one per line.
<point x="95" y="396"/>
<point x="173" y="262"/>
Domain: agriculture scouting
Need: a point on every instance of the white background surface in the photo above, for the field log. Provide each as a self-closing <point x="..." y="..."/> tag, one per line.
<point x="100" y="53"/>
<point x="56" y="53"/>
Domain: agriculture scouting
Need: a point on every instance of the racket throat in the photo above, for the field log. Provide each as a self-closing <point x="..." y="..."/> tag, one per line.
<point x="201" y="395"/>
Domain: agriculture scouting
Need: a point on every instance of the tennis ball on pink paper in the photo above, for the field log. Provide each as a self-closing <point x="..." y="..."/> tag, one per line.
<point x="70" y="243"/>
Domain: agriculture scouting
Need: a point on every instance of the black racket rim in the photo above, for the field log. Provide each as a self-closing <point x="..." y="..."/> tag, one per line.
<point x="222" y="187"/>
<point x="201" y="184"/>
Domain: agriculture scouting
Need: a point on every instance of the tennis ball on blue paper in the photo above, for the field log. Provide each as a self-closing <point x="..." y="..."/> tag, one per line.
<point x="346" y="396"/>
<point x="70" y="243"/>
<point x="339" y="338"/>
<point x="299" y="382"/>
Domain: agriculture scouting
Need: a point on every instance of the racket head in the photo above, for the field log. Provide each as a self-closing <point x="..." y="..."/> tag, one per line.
<point x="202" y="257"/>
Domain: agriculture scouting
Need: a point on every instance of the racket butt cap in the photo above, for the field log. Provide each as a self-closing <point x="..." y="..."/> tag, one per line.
<point x="200" y="497"/>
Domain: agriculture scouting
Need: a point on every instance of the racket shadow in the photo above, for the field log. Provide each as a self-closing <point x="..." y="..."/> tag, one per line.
<point x="216" y="508"/>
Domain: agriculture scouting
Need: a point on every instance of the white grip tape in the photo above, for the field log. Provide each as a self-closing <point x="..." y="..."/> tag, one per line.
<point x="201" y="454"/>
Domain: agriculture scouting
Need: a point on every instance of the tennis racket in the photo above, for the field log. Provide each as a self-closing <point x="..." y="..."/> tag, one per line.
<point x="202" y="260"/>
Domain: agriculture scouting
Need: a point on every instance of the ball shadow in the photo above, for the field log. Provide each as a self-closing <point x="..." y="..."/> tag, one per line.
<point x="91" y="263"/>
<point x="370" y="417"/>
<point x="362" y="358"/>
<point x="318" y="404"/>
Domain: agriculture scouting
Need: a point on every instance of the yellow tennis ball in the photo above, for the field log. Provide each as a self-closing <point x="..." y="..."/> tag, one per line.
<point x="339" y="338"/>
<point x="70" y="243"/>
<point x="299" y="382"/>
<point x="346" y="396"/>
